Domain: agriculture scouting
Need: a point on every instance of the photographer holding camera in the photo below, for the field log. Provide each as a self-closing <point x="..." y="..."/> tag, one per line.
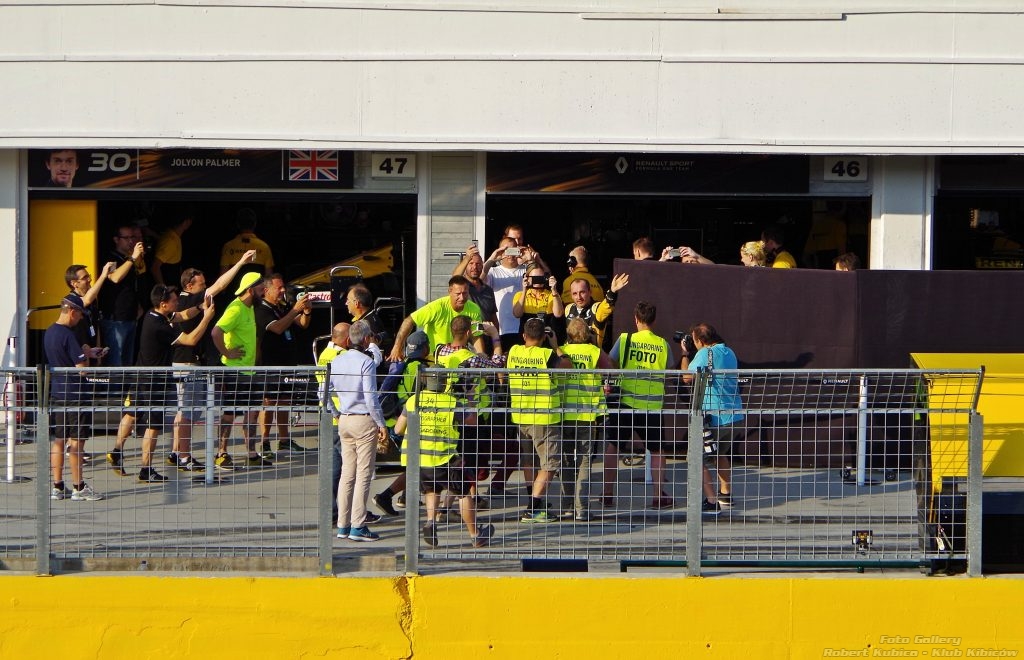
<point x="721" y="405"/>
<point x="539" y="297"/>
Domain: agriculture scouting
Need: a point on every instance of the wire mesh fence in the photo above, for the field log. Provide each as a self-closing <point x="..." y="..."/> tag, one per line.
<point x="813" y="467"/>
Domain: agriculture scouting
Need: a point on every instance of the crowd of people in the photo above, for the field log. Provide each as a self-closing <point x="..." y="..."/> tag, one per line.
<point x="508" y="311"/>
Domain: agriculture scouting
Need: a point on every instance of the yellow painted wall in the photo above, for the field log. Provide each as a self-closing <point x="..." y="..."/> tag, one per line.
<point x="61" y="233"/>
<point x="633" y="617"/>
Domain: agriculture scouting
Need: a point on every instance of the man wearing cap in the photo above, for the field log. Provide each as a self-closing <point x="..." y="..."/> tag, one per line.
<point x="234" y="335"/>
<point x="401" y="380"/>
<point x="435" y="317"/>
<point x="362" y="430"/>
<point x="67" y="390"/>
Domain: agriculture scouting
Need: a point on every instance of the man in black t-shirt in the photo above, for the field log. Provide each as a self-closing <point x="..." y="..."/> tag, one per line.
<point x="120" y="298"/>
<point x="277" y="348"/>
<point x="191" y="386"/>
<point x="154" y="391"/>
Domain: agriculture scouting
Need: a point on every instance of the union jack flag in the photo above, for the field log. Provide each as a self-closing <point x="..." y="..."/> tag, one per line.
<point x="312" y="165"/>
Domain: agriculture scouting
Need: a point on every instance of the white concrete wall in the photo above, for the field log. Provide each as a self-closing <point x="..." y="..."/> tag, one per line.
<point x="819" y="77"/>
<point x="452" y="208"/>
<point x="11" y="259"/>
<point x="901" y="213"/>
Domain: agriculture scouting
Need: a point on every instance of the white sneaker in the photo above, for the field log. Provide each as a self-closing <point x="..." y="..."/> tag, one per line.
<point x="59" y="493"/>
<point x="87" y="494"/>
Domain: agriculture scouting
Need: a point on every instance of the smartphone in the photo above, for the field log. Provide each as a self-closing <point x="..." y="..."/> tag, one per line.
<point x="673" y="253"/>
<point x="513" y="252"/>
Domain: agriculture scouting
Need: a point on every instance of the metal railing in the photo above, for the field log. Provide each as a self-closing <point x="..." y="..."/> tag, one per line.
<point x="828" y="469"/>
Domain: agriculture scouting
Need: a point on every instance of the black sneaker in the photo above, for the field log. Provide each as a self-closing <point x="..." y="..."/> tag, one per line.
<point x="172" y="459"/>
<point x="725" y="500"/>
<point x="370" y="518"/>
<point x="224" y="462"/>
<point x="710" y="508"/>
<point x="430" y="534"/>
<point x="289" y="445"/>
<point x="383" y="503"/>
<point x="258" y="461"/>
<point x="484" y="535"/>
<point x="150" y="476"/>
<point x="116" y="460"/>
<point x="190" y="465"/>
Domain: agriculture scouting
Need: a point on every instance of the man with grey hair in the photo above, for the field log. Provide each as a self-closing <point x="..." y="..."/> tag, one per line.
<point x="361" y="430"/>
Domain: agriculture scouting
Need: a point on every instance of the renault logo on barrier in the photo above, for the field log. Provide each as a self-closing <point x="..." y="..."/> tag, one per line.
<point x="622" y="165"/>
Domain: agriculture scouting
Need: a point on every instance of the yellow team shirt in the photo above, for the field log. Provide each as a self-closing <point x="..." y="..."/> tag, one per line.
<point x="239" y="245"/>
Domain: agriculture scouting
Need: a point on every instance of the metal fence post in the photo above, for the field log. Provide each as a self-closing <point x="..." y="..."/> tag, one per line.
<point x="412" y="492"/>
<point x="325" y="526"/>
<point x="695" y="477"/>
<point x="43" y="441"/>
<point x="975" y="447"/>
<point x="212" y="424"/>
<point x="862" y="431"/>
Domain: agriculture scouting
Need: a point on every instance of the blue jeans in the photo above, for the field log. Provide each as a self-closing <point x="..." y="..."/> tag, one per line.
<point x="119" y="337"/>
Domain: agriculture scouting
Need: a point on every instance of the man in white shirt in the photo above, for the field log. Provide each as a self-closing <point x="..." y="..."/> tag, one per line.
<point x="504" y="272"/>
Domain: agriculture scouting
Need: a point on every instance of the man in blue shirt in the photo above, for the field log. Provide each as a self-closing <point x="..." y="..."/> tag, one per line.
<point x="361" y="429"/>
<point x="71" y="419"/>
<point x="722" y="403"/>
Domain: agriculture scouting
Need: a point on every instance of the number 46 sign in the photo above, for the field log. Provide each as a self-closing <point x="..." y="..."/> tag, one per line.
<point x="854" y="168"/>
<point x="393" y="166"/>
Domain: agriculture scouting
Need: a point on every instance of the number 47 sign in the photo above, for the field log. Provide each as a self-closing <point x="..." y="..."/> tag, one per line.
<point x="393" y="166"/>
<point x="854" y="168"/>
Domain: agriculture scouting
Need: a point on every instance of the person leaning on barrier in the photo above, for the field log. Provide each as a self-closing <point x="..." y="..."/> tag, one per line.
<point x="71" y="427"/>
<point x="275" y="320"/>
<point x="721" y="401"/>
<point x="192" y="388"/>
<point x="362" y="430"/>
<point x="535" y="401"/>
<point x="441" y="465"/>
<point x="583" y="399"/>
<point x="642" y="399"/>
<point x="155" y="393"/>
<point x="594" y="314"/>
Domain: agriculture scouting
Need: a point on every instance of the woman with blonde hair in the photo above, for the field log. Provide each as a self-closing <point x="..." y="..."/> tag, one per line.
<point x="752" y="254"/>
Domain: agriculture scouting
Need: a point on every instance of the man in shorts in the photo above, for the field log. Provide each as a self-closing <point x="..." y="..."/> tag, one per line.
<point x="68" y="390"/>
<point x="441" y="467"/>
<point x="535" y="403"/>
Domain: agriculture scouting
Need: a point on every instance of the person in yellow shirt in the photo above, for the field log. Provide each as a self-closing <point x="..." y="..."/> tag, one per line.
<point x="167" y="256"/>
<point x="247" y="240"/>
<point x="578" y="270"/>
<point x="773" y="239"/>
<point x="538" y="297"/>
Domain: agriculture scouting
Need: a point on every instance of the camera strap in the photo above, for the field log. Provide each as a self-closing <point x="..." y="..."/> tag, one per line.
<point x="625" y="350"/>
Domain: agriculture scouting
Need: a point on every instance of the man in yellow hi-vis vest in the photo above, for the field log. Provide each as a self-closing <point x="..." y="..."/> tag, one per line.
<point x="535" y="403"/>
<point x="583" y="399"/>
<point x="642" y="399"/>
<point x="442" y="468"/>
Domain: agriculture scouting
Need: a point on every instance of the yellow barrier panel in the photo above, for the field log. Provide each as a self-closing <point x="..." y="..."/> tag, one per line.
<point x="451" y="618"/>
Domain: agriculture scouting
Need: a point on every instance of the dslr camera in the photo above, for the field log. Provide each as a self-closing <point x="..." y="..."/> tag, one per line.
<point x="687" y="340"/>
